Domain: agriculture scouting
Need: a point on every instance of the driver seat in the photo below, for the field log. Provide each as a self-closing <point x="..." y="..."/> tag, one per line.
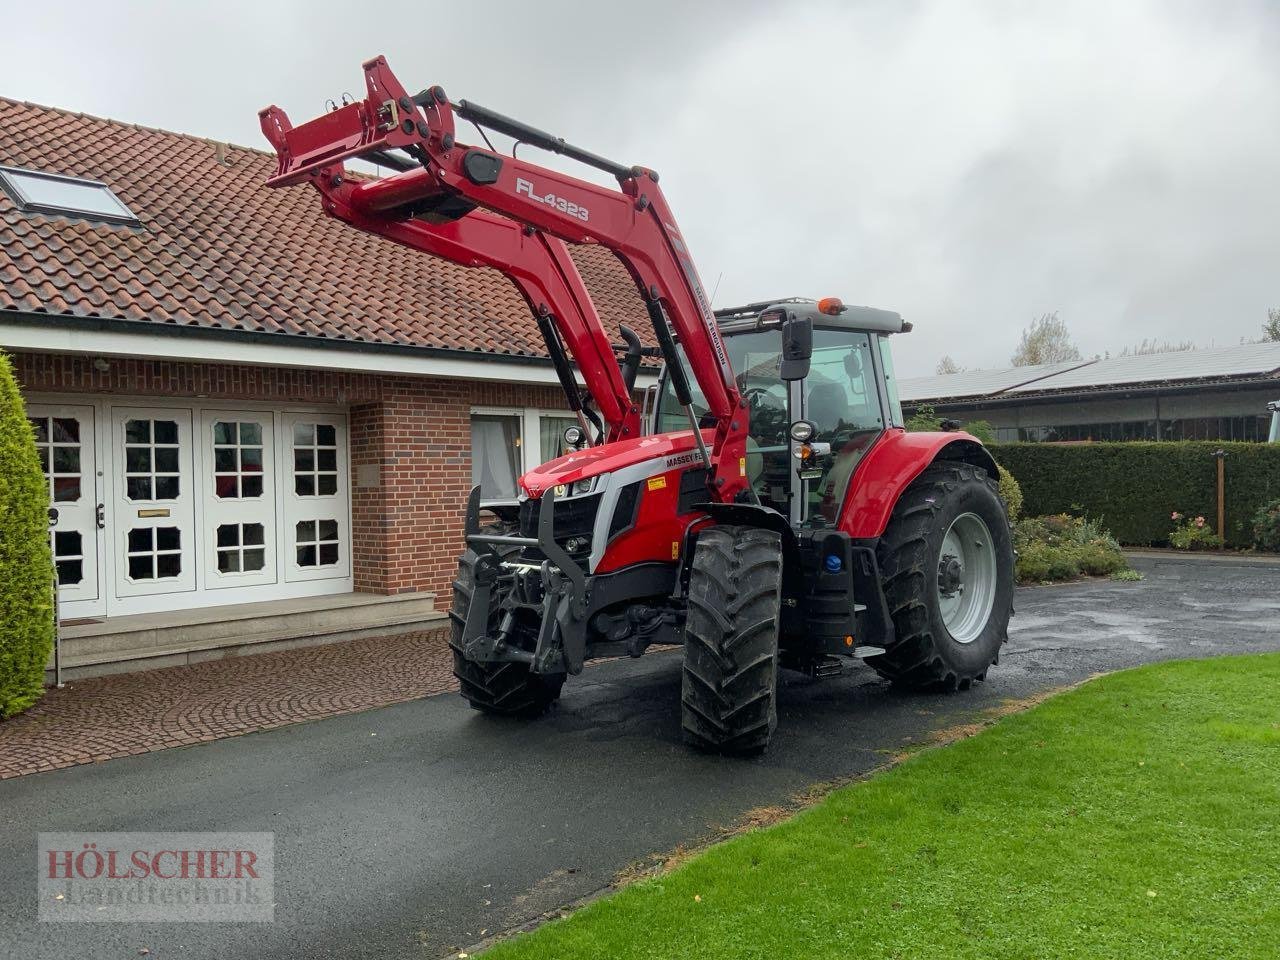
<point x="828" y="406"/>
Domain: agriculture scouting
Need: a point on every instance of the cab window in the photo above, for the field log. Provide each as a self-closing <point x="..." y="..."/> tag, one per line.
<point x="842" y="402"/>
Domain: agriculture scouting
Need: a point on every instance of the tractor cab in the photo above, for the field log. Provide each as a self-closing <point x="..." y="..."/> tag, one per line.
<point x="818" y="380"/>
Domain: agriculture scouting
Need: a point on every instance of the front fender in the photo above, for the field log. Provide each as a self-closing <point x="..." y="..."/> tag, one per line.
<point x="888" y="468"/>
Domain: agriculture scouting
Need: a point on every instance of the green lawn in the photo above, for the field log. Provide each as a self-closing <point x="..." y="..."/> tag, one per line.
<point x="1135" y="817"/>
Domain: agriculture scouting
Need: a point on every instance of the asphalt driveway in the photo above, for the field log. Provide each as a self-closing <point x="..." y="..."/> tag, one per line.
<point x="417" y="829"/>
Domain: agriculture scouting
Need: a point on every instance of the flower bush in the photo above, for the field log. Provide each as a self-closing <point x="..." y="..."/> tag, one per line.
<point x="1063" y="547"/>
<point x="1266" y="527"/>
<point x="1192" y="533"/>
<point x="1010" y="493"/>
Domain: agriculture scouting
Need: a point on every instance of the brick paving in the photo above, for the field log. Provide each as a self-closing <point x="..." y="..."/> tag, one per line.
<point x="118" y="716"/>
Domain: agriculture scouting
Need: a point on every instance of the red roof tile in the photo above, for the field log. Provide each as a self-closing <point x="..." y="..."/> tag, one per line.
<point x="216" y="248"/>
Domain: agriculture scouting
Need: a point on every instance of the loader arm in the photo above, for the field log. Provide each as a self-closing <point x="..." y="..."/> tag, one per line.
<point x="452" y="179"/>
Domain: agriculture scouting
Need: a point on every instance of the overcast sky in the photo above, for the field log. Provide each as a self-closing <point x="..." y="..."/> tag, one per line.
<point x="970" y="164"/>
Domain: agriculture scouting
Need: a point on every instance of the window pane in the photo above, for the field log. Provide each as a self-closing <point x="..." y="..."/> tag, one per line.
<point x="66" y="543"/>
<point x="254" y="560"/>
<point x="224" y="432"/>
<point x="307" y="556"/>
<point x="70" y="571"/>
<point x="140" y="539"/>
<point x="251" y="460"/>
<point x="66" y="489"/>
<point x="326" y="434"/>
<point x="305" y="485"/>
<point x="137" y="431"/>
<point x="224" y="460"/>
<point x="304" y="460"/>
<point x="224" y="485"/>
<point x="41" y="427"/>
<point x="328" y="553"/>
<point x="137" y="459"/>
<point x="67" y="193"/>
<point x="43" y="454"/>
<point x="167" y="459"/>
<point x="166" y="488"/>
<point x="551" y="436"/>
<point x="251" y="433"/>
<point x="327" y="459"/>
<point x="166" y="431"/>
<point x="168" y="538"/>
<point x="228" y="561"/>
<point x="66" y="430"/>
<point x="328" y="529"/>
<point x="66" y="459"/>
<point x="168" y="565"/>
<point x="328" y="484"/>
<point x="251" y="486"/>
<point x="140" y="568"/>
<point x="306" y="530"/>
<point x="304" y="434"/>
<point x="494" y="456"/>
<point x="228" y="534"/>
<point x="253" y="533"/>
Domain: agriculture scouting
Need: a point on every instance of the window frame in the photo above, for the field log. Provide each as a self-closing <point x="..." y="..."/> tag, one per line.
<point x="13" y="188"/>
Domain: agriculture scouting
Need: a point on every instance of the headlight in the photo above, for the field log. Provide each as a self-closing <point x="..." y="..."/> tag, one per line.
<point x="573" y="436"/>
<point x="802" y="431"/>
<point x="581" y="487"/>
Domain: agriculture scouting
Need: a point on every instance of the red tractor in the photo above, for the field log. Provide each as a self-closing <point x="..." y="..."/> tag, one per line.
<point x="778" y="514"/>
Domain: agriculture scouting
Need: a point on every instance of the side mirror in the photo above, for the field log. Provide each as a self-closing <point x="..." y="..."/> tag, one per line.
<point x="797" y="348"/>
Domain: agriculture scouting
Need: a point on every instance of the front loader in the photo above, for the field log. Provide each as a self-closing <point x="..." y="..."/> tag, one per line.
<point x="777" y="514"/>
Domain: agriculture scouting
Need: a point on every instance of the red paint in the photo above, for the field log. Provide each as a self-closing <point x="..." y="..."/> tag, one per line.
<point x="888" y="468"/>
<point x="608" y="458"/>
<point x="658" y="531"/>
<point x="634" y="222"/>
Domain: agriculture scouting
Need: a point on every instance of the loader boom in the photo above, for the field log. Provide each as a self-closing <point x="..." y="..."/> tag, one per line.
<point x="432" y="207"/>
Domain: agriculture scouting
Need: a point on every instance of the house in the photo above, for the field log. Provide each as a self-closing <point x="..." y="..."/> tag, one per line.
<point x="1215" y="393"/>
<point x="258" y="424"/>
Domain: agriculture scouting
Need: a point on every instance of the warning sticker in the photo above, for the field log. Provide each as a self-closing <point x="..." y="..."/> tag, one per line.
<point x="657" y="483"/>
<point x="675" y="549"/>
<point x="742" y="466"/>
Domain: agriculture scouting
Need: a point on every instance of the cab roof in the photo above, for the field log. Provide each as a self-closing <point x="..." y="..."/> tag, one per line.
<point x="851" y="317"/>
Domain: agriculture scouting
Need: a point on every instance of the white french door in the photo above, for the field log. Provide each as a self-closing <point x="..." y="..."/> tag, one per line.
<point x="65" y="435"/>
<point x="166" y="506"/>
<point x="238" y="484"/>
<point x="153" y="516"/>
<point x="317" y="535"/>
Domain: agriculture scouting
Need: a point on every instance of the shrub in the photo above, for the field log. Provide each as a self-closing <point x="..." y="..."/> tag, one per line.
<point x="1127" y="576"/>
<point x="924" y="420"/>
<point x="1132" y="487"/>
<point x="1192" y="533"/>
<point x="1010" y="493"/>
<point x="982" y="430"/>
<point x="1266" y="527"/>
<point x="1062" y="547"/>
<point x="26" y="570"/>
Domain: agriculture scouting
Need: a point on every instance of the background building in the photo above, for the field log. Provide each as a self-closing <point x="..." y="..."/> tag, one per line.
<point x="1218" y="393"/>
<point x="258" y="424"/>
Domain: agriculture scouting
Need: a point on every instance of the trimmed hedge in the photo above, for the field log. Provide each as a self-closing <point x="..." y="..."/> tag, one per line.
<point x="26" y="570"/>
<point x="1133" y="487"/>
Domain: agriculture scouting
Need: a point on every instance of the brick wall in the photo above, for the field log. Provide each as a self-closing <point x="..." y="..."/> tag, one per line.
<point x="410" y="446"/>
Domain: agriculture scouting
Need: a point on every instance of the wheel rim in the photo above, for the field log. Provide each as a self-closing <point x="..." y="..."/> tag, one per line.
<point x="966" y="577"/>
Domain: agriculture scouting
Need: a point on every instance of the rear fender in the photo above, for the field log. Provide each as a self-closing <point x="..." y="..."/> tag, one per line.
<point x="890" y="466"/>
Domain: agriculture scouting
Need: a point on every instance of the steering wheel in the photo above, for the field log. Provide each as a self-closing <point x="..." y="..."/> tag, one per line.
<point x="758" y="397"/>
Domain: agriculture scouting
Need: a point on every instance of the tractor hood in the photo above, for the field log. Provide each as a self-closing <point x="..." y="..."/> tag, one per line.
<point x="609" y="458"/>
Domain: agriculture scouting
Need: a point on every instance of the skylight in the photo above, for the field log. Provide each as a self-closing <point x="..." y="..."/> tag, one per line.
<point x="38" y="192"/>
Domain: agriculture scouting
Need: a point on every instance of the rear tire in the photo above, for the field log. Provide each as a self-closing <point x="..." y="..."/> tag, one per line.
<point x="728" y="691"/>
<point x="502" y="689"/>
<point x="941" y="643"/>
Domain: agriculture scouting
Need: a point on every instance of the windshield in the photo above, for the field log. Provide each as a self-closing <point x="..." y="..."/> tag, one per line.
<point x="839" y="397"/>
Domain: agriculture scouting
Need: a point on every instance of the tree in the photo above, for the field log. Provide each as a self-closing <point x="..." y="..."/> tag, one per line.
<point x="1046" y="340"/>
<point x="1271" y="329"/>
<point x="1157" y="346"/>
<point x="946" y="366"/>
<point x="26" y="570"/>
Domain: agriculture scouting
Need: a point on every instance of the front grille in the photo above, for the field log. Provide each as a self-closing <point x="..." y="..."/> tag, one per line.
<point x="572" y="518"/>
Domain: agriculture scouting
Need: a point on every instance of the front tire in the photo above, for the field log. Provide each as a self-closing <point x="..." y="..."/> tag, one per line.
<point x="947" y="564"/>
<point x="502" y="689"/>
<point x="728" y="690"/>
